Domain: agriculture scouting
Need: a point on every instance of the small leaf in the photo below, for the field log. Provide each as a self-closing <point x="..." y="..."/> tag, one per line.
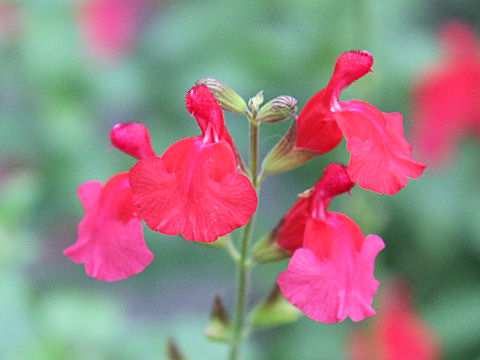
<point x="255" y="102"/>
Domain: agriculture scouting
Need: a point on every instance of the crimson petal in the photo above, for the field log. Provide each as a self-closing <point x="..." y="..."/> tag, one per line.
<point x="316" y="130"/>
<point x="380" y="156"/>
<point x="194" y="190"/>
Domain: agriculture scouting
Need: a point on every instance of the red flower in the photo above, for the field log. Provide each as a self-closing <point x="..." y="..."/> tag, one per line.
<point x="397" y="334"/>
<point x="446" y="97"/>
<point x="109" y="26"/>
<point x="110" y="236"/>
<point x="380" y="156"/>
<point x="330" y="275"/>
<point x="194" y="188"/>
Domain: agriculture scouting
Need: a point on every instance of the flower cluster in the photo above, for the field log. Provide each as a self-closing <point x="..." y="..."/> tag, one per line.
<point x="193" y="189"/>
<point x="200" y="188"/>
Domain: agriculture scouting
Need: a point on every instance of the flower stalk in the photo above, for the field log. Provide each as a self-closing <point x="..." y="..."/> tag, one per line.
<point x="243" y="265"/>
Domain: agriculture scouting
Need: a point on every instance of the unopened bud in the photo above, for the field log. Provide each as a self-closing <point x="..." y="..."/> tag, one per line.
<point x="228" y="99"/>
<point x="279" y="109"/>
<point x="173" y="353"/>
<point x="285" y="155"/>
<point x="255" y="102"/>
<point x="275" y="310"/>
<point x="218" y="329"/>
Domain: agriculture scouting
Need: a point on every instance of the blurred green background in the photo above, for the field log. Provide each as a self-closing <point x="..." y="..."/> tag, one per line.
<point x="58" y="104"/>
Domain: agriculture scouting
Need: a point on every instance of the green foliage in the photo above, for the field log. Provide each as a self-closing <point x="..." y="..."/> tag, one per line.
<point x="56" y="110"/>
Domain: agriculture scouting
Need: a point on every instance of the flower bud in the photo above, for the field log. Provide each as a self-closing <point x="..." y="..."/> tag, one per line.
<point x="228" y="99"/>
<point x="285" y="155"/>
<point x="255" y="102"/>
<point x="218" y="329"/>
<point x="173" y="353"/>
<point x="275" y="310"/>
<point x="267" y="250"/>
<point x="279" y="109"/>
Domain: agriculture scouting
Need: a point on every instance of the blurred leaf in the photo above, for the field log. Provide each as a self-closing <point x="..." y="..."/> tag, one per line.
<point x="18" y="194"/>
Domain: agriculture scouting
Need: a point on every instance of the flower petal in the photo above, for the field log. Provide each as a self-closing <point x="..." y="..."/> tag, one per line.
<point x="194" y="190"/>
<point x="402" y="332"/>
<point x="331" y="277"/>
<point x="293" y="226"/>
<point x="110" y="236"/>
<point x="89" y="193"/>
<point x="316" y="130"/>
<point x="201" y="103"/>
<point x="380" y="156"/>
<point x="397" y="333"/>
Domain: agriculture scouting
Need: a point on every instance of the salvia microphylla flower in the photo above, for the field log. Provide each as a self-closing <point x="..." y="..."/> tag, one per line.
<point x="330" y="275"/>
<point x="380" y="157"/>
<point x="194" y="188"/>
<point x="446" y="96"/>
<point x="110" y="236"/>
<point x="397" y="332"/>
<point x="109" y="27"/>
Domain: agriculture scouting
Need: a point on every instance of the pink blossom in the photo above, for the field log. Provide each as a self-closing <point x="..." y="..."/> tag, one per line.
<point x="330" y="275"/>
<point x="397" y="333"/>
<point x="446" y="96"/>
<point x="110" y="236"/>
<point x="109" y="27"/>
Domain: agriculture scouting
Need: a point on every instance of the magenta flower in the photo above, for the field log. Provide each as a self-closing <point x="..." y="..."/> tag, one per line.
<point x="380" y="157"/>
<point x="446" y="97"/>
<point x="109" y="27"/>
<point x="330" y="275"/>
<point x="110" y="236"/>
<point x="194" y="188"/>
<point x="397" y="333"/>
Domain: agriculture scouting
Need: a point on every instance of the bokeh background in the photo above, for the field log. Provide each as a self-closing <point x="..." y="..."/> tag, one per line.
<point x="60" y="96"/>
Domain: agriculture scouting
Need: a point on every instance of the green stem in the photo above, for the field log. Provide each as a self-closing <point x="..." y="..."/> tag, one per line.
<point x="254" y="153"/>
<point x="232" y="250"/>
<point x="243" y="263"/>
